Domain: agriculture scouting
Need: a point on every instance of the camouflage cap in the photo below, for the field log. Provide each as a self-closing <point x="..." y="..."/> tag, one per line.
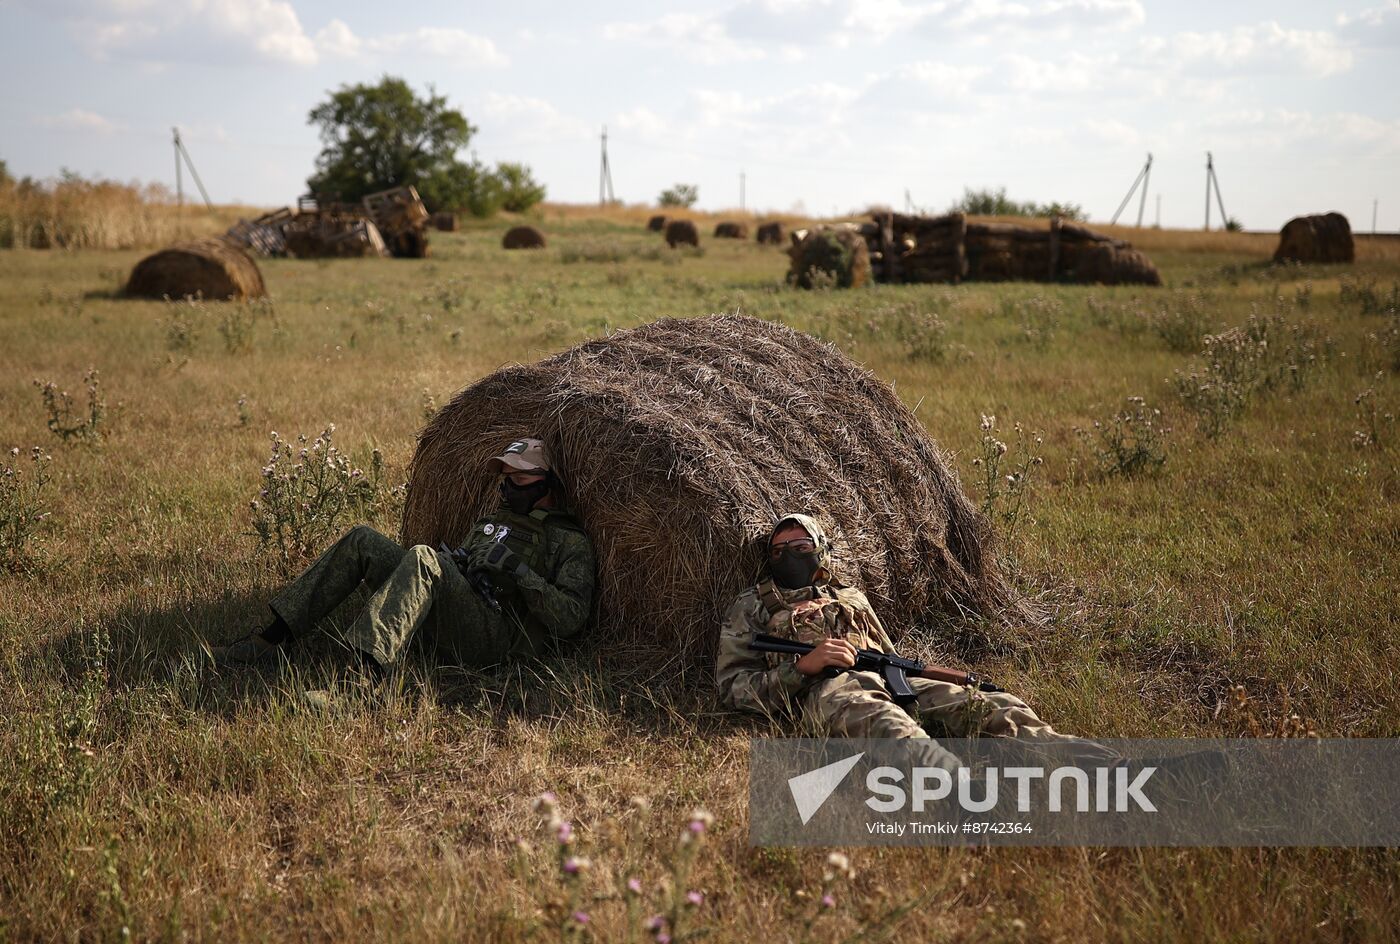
<point x="523" y="455"/>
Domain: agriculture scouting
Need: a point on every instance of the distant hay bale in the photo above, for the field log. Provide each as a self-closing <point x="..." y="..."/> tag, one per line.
<point x="445" y="221"/>
<point x="679" y="443"/>
<point x="837" y="253"/>
<point x="772" y="234"/>
<point x="212" y="269"/>
<point x="656" y="224"/>
<point x="732" y="230"/>
<point x="682" y="233"/>
<point x="1318" y="238"/>
<point x="523" y="237"/>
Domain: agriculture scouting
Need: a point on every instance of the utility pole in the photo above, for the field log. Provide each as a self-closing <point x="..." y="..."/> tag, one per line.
<point x="908" y="203"/>
<point x="1159" y="211"/>
<point x="181" y="153"/>
<point x="1375" y="206"/>
<point x="605" y="184"/>
<point x="1142" y="178"/>
<point x="1213" y="181"/>
<point x="742" y="181"/>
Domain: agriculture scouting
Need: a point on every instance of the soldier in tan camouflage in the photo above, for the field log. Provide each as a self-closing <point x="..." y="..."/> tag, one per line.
<point x="533" y="557"/>
<point x="801" y="600"/>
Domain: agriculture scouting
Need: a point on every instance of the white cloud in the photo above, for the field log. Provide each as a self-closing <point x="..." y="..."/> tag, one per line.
<point x="1009" y="15"/>
<point x="1263" y="48"/>
<point x="528" y="120"/>
<point x="700" y="38"/>
<point x="165" y="31"/>
<point x="79" y="119"/>
<point x="1274" y="128"/>
<point x="1378" y="27"/>
<point x="336" y="38"/>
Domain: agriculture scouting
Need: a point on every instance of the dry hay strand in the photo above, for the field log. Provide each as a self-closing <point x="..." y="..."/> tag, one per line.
<point x="682" y="233"/>
<point x="212" y="269"/>
<point x="656" y="224"/>
<point x="445" y="221"/>
<point x="1318" y="238"/>
<point x="772" y="234"/>
<point x="523" y="237"/>
<point x="730" y="229"/>
<point x="680" y="442"/>
<point x="838" y="252"/>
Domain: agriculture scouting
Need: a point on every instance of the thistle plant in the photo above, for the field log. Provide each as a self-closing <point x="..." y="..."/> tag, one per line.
<point x="1006" y="483"/>
<point x="66" y="420"/>
<point x="1132" y="442"/>
<point x="310" y="490"/>
<point x="1376" y="426"/>
<point x="23" y="504"/>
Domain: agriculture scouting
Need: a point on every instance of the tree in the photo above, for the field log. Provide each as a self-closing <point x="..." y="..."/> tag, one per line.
<point x="990" y="202"/>
<point x="519" y="189"/>
<point x="681" y="195"/>
<point x="379" y="136"/>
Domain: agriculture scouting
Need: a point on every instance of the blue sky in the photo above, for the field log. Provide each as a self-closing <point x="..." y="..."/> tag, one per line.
<point x="826" y="105"/>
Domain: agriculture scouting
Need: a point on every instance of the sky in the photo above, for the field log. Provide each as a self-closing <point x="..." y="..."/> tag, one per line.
<point x="823" y="106"/>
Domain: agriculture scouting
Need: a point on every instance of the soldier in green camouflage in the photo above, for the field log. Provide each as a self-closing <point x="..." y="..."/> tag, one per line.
<point x="801" y="600"/>
<point x="521" y="583"/>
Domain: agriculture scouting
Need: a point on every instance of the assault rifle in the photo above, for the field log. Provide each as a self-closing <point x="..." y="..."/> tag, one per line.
<point x="479" y="579"/>
<point x="894" y="669"/>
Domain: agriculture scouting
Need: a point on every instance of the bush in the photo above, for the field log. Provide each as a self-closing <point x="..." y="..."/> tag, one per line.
<point x="1132" y="442"/>
<point x="23" y="504"/>
<point x="519" y="189"/>
<point x="680" y="195"/>
<point x="64" y="419"/>
<point x="1182" y="323"/>
<point x="990" y="202"/>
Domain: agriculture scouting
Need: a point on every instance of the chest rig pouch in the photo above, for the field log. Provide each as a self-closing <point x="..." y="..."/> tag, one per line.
<point x="526" y="536"/>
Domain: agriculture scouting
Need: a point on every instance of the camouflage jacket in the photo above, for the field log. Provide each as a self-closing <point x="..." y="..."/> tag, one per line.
<point x="553" y="599"/>
<point x="769" y="683"/>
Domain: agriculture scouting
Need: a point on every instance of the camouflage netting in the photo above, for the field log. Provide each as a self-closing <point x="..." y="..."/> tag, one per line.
<point x="679" y="442"/>
<point x="523" y="237"/>
<point x="837" y="252"/>
<point x="213" y="269"/>
<point x="1321" y="238"/>
<point x="682" y="233"/>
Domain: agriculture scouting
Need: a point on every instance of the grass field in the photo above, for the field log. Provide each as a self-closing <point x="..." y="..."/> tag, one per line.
<point x="141" y="796"/>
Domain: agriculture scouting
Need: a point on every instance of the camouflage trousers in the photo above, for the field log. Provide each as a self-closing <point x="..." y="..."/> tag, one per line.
<point x="410" y="590"/>
<point x="856" y="704"/>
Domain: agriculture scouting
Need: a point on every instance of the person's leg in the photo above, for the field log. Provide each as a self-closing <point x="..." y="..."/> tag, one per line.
<point x="361" y="555"/>
<point x="427" y="588"/>
<point x="965" y="713"/>
<point x="856" y="704"/>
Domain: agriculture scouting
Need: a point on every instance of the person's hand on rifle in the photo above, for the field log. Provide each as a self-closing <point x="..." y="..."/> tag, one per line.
<point x="828" y="654"/>
<point x="497" y="558"/>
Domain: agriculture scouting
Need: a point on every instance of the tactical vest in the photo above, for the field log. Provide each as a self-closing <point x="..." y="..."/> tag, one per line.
<point x="527" y="536"/>
<point x="851" y="620"/>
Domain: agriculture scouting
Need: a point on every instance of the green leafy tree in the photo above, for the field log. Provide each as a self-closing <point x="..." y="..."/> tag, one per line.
<point x="681" y="195"/>
<point x="519" y="189"/>
<point x="379" y="136"/>
<point x="988" y="202"/>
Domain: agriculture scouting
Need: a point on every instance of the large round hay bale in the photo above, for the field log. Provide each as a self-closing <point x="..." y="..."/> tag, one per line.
<point x="835" y="253"/>
<point x="1319" y="238"/>
<point x="730" y="229"/>
<point x="682" y="233"/>
<point x="656" y="224"/>
<point x="523" y="237"/>
<point x="445" y="221"/>
<point x="679" y="442"/>
<point x="772" y="234"/>
<point x="212" y="269"/>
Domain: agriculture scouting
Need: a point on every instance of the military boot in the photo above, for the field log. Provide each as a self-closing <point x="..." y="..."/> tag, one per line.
<point x="252" y="649"/>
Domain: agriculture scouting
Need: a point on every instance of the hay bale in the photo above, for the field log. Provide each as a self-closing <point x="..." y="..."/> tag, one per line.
<point x="1318" y="238"/>
<point x="772" y="234"/>
<point x="656" y="224"/>
<point x="445" y="221"/>
<point x="212" y="269"/>
<point x="682" y="233"/>
<point x="838" y="251"/>
<point x="732" y="230"/>
<point x="523" y="237"/>
<point x="680" y="441"/>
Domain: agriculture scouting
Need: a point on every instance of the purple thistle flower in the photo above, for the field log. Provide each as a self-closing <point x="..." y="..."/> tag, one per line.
<point x="566" y="832"/>
<point x="634" y="885"/>
<point x="828" y="901"/>
<point x="695" y="898"/>
<point x="581" y="917"/>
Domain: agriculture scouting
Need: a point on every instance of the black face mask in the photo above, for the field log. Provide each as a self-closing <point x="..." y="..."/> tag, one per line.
<point x="792" y="571"/>
<point x="522" y="499"/>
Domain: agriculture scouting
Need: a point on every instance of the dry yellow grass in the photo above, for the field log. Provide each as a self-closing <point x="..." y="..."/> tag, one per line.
<point x="139" y="794"/>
